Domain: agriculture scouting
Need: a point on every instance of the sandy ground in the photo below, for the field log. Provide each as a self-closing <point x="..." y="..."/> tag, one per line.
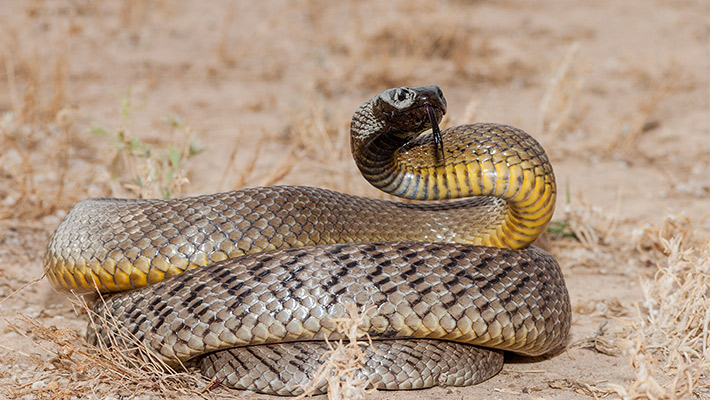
<point x="618" y="92"/>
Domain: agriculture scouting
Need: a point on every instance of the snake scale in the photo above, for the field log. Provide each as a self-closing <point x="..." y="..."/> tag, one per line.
<point x="450" y="284"/>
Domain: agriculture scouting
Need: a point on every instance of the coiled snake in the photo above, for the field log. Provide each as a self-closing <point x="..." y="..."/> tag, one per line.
<point x="278" y="264"/>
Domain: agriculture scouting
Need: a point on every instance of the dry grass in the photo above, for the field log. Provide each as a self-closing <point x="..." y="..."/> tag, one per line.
<point x="126" y="367"/>
<point x="654" y="240"/>
<point x="560" y="111"/>
<point x="587" y="237"/>
<point x="240" y="174"/>
<point x="669" y="342"/>
<point x="147" y="170"/>
<point x="322" y="142"/>
<point x="658" y="86"/>
<point x="344" y="361"/>
<point x="244" y="171"/>
<point x="47" y="162"/>
<point x="313" y="140"/>
<point x="77" y="369"/>
<point x="224" y="51"/>
<point x="391" y="51"/>
<point x="667" y="338"/>
<point x="36" y="134"/>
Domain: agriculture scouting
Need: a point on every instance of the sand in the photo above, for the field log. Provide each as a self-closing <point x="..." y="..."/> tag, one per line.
<point x="616" y="91"/>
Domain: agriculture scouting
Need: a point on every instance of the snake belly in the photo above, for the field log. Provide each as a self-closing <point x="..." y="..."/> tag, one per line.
<point x="452" y="283"/>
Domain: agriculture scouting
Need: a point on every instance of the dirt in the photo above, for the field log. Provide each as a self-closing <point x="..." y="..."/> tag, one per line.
<point x="617" y="92"/>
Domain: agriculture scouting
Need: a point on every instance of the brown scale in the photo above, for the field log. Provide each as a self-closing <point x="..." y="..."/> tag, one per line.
<point x="434" y="271"/>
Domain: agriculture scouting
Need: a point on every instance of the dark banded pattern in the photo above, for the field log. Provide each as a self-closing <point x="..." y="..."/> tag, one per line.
<point x="278" y="264"/>
<point x="283" y="369"/>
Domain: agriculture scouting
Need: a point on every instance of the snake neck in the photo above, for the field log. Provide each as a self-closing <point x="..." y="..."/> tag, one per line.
<point x="374" y="145"/>
<point x="489" y="160"/>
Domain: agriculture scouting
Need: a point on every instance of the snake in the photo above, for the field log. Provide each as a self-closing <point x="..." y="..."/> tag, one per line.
<point x="250" y="284"/>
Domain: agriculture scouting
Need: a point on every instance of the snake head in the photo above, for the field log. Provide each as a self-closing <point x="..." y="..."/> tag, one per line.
<point x="408" y="111"/>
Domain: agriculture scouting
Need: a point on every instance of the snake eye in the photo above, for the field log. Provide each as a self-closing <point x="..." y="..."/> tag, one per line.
<point x="398" y="98"/>
<point x="440" y="93"/>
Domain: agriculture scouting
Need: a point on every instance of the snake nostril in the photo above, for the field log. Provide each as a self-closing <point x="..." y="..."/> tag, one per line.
<point x="433" y="96"/>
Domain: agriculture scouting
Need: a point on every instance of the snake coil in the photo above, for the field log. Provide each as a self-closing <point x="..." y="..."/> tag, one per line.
<point x="451" y="284"/>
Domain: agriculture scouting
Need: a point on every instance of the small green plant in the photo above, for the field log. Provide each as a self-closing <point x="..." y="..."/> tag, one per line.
<point x="564" y="228"/>
<point x="148" y="170"/>
<point x="561" y="229"/>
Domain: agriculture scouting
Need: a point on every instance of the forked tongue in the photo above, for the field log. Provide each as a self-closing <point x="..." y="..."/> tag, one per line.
<point x="435" y="131"/>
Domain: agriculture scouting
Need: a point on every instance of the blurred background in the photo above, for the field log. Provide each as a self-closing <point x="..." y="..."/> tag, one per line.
<point x="171" y="98"/>
<point x="247" y="94"/>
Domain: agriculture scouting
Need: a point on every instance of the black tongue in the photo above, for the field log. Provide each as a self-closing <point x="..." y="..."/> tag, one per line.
<point x="435" y="131"/>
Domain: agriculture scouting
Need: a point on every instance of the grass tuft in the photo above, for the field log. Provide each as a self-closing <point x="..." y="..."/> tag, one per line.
<point x="344" y="361"/>
<point x="124" y="367"/>
<point x="322" y="140"/>
<point x="143" y="169"/>
<point x="587" y="236"/>
<point x="669" y="342"/>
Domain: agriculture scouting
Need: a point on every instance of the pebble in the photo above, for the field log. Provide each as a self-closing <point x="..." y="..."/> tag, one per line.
<point x="39" y="385"/>
<point x="9" y="201"/>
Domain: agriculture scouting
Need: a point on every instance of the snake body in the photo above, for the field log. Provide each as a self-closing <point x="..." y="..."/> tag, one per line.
<point x="278" y="264"/>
